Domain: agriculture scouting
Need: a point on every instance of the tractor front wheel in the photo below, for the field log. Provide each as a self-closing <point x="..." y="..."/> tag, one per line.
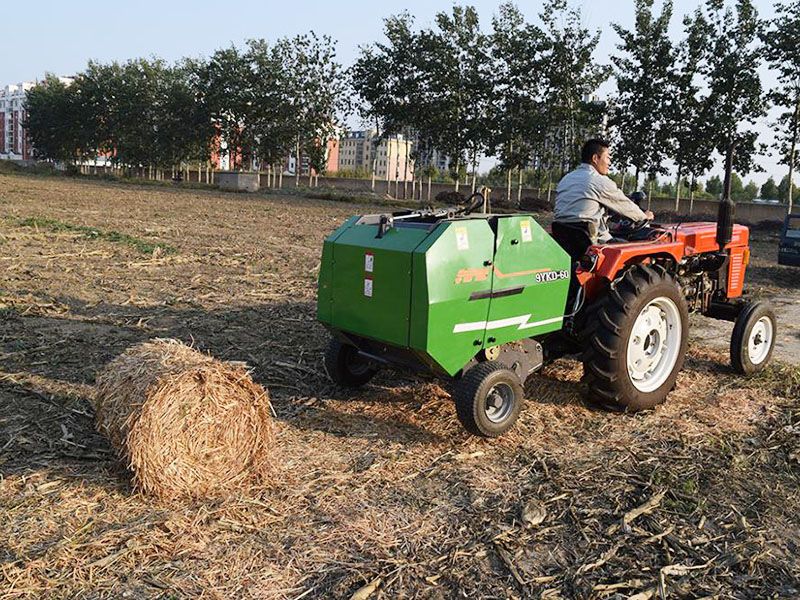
<point x="488" y="399"/>
<point x="346" y="366"/>
<point x="639" y="343"/>
<point x="753" y="338"/>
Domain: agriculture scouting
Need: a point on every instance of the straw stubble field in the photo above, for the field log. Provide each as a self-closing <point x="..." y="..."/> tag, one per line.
<point x="379" y="488"/>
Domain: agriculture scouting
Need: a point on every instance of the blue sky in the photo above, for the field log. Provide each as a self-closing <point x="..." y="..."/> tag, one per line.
<point x="60" y="37"/>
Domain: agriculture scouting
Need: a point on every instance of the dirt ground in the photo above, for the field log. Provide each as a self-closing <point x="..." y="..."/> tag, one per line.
<point x="378" y="488"/>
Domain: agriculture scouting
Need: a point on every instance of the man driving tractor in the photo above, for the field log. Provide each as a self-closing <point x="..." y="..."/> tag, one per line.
<point x="582" y="198"/>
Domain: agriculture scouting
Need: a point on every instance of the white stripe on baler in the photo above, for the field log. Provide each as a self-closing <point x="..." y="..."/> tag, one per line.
<point x="521" y="321"/>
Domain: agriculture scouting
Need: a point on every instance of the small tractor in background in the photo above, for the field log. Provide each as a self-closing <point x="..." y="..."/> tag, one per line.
<point x="485" y="300"/>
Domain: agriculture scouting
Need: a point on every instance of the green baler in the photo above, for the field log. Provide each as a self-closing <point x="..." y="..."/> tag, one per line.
<point x="461" y="296"/>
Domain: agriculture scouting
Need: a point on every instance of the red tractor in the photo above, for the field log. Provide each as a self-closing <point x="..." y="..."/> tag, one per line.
<point x="631" y="303"/>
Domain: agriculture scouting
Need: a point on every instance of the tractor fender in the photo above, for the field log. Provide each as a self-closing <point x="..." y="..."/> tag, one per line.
<point x="611" y="259"/>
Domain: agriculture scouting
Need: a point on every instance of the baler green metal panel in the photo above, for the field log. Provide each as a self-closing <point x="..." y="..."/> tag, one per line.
<point x="324" y="292"/>
<point x="530" y="284"/>
<point x="371" y="281"/>
<point x="450" y="267"/>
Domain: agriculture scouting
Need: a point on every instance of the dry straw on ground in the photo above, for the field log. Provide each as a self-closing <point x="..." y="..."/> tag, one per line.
<point x="186" y="425"/>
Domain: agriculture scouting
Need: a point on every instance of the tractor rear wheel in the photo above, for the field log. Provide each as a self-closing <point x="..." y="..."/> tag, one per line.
<point x="639" y="342"/>
<point x="753" y="338"/>
<point x="488" y="399"/>
<point x="346" y="366"/>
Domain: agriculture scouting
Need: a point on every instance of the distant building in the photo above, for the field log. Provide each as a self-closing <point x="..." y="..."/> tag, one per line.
<point x="14" y="141"/>
<point x="392" y="155"/>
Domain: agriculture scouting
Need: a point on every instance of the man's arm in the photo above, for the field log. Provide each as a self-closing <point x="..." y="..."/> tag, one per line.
<point x="614" y="200"/>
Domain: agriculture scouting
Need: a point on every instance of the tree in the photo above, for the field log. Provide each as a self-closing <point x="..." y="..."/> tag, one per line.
<point x="56" y="120"/>
<point x="644" y="71"/>
<point x="769" y="190"/>
<point x="386" y="80"/>
<point x="750" y="191"/>
<point x="518" y="118"/>
<point x="783" y="54"/>
<point x="734" y="103"/>
<point x="714" y="186"/>
<point x="455" y="66"/>
<point x="228" y="86"/>
<point x="316" y="91"/>
<point x="571" y="78"/>
<point x="692" y="146"/>
<point x="784" y="191"/>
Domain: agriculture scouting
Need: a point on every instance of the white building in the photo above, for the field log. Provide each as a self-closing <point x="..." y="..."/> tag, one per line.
<point x="392" y="155"/>
<point x="14" y="142"/>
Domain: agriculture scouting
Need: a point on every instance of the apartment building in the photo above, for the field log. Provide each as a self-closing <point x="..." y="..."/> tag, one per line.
<point x="14" y="142"/>
<point x="392" y="155"/>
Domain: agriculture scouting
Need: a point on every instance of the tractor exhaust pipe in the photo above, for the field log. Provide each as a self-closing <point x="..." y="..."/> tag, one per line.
<point x="727" y="209"/>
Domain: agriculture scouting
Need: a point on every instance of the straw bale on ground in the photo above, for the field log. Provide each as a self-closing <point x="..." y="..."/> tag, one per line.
<point x="184" y="423"/>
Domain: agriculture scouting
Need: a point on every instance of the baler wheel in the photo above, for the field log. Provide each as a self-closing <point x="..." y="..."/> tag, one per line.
<point x="346" y="366"/>
<point x="638" y="346"/>
<point x="488" y="399"/>
<point x="753" y="338"/>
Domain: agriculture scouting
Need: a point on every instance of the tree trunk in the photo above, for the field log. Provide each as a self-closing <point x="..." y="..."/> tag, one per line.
<point x="280" y="177"/>
<point x="549" y="185"/>
<point x="649" y="194"/>
<point x="678" y="189"/>
<point x="508" y="187"/>
<point x="519" y="187"/>
<point x="458" y="174"/>
<point x="795" y="124"/>
<point x="691" y="195"/>
<point x="474" y="169"/>
<point x="622" y="187"/>
<point x="297" y="165"/>
<point x="429" y="189"/>
<point x="636" y="180"/>
<point x="405" y="172"/>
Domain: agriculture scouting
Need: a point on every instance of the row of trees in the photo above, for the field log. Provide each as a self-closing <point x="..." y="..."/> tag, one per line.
<point x="683" y="101"/>
<point x="518" y="91"/>
<point x="261" y="103"/>
<point x="522" y="92"/>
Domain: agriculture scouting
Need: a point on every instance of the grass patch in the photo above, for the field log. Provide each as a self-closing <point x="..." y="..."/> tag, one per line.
<point x="93" y="233"/>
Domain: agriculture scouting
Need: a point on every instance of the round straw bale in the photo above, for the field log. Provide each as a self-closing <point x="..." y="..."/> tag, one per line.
<point x="186" y="425"/>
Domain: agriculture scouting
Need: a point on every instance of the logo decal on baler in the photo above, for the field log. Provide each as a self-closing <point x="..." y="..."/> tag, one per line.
<point x="482" y="274"/>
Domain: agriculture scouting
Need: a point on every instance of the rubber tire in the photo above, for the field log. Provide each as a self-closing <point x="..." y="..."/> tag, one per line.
<point x="338" y="359"/>
<point x="604" y="360"/>
<point x="740" y="359"/>
<point x="470" y="395"/>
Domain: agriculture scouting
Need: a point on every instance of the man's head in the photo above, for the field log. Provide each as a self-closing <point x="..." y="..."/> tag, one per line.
<point x="595" y="152"/>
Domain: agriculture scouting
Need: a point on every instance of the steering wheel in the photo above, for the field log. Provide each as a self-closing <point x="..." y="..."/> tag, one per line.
<point x="630" y="230"/>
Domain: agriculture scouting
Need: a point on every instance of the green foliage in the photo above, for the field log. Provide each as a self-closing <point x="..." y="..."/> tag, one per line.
<point x="735" y="102"/>
<point x="783" y="54"/>
<point x="56" y="122"/>
<point x="92" y="233"/>
<point x="644" y="72"/>
<point x="783" y="189"/>
<point x="571" y="77"/>
<point x="714" y="186"/>
<point x="769" y="190"/>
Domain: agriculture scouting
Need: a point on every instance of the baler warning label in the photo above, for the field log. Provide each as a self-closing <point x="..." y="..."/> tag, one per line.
<point x="368" y="287"/>
<point x="525" y="229"/>
<point x="462" y="241"/>
<point x="369" y="262"/>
